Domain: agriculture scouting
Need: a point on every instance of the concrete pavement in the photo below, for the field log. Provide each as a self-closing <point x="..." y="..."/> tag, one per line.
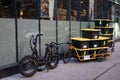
<point x="88" y="70"/>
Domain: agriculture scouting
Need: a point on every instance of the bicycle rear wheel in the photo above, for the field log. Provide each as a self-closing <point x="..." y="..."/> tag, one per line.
<point x="27" y="66"/>
<point x="54" y="60"/>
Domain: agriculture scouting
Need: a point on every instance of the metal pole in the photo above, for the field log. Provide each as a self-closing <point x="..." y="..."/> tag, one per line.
<point x="16" y="30"/>
<point x="56" y="21"/>
<point x="69" y="9"/>
<point x="80" y="18"/>
<point x="39" y="24"/>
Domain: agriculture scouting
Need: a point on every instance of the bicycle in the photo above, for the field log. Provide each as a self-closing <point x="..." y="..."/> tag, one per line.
<point x="30" y="64"/>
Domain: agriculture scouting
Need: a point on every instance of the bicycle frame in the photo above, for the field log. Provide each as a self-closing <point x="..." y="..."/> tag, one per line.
<point x="33" y="45"/>
<point x="48" y="50"/>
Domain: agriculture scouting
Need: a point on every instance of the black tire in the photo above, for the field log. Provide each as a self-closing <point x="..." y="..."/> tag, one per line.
<point x="112" y="50"/>
<point x="101" y="58"/>
<point x="54" y="58"/>
<point x="67" y="57"/>
<point x="27" y="66"/>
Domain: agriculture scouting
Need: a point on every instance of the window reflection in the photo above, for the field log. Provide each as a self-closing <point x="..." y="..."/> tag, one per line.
<point x="103" y="9"/>
<point x="79" y="10"/>
<point x="27" y="9"/>
<point x="62" y="10"/>
<point x="75" y="10"/>
<point x="7" y="8"/>
<point x="84" y="10"/>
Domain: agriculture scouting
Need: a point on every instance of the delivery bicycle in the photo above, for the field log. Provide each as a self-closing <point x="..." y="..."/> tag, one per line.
<point x="30" y="64"/>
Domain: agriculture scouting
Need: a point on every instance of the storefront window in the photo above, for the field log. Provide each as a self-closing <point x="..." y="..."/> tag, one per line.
<point x="103" y="9"/>
<point x="7" y="8"/>
<point x="62" y="9"/>
<point x="79" y="10"/>
<point x="84" y="10"/>
<point x="27" y="9"/>
<point x="75" y="10"/>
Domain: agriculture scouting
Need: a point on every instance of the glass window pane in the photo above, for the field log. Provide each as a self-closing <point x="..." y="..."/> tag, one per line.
<point x="7" y="8"/>
<point x="103" y="9"/>
<point x="75" y="10"/>
<point x="62" y="9"/>
<point x="84" y="10"/>
<point x="79" y="10"/>
<point x="27" y="9"/>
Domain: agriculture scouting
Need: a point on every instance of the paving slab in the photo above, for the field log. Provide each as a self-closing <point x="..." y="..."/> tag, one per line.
<point x="111" y="74"/>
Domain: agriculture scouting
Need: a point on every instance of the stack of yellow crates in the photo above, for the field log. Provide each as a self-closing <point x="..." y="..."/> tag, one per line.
<point x="89" y="45"/>
<point x="106" y="29"/>
<point x="94" y="43"/>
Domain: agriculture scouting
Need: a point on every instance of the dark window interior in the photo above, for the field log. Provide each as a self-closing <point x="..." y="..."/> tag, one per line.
<point x="103" y="9"/>
<point x="7" y="8"/>
<point x="27" y="9"/>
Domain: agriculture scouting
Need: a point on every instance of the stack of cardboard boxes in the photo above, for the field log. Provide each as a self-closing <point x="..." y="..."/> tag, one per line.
<point x="73" y="15"/>
<point x="61" y="13"/>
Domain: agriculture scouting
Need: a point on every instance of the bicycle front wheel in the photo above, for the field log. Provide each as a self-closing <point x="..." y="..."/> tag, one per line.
<point x="53" y="60"/>
<point x="27" y="66"/>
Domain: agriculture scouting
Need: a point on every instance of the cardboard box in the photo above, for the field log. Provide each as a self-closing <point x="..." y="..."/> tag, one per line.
<point x="61" y="17"/>
<point x="75" y="12"/>
<point x="62" y="11"/>
<point x="73" y="18"/>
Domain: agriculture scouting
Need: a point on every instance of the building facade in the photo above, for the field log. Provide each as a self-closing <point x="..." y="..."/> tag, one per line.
<point x="58" y="23"/>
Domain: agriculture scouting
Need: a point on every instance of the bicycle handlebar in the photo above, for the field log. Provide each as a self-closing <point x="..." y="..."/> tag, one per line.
<point x="33" y="39"/>
<point x="39" y="35"/>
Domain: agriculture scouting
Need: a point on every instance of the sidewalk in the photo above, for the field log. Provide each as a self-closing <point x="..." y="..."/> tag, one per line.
<point x="89" y="70"/>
